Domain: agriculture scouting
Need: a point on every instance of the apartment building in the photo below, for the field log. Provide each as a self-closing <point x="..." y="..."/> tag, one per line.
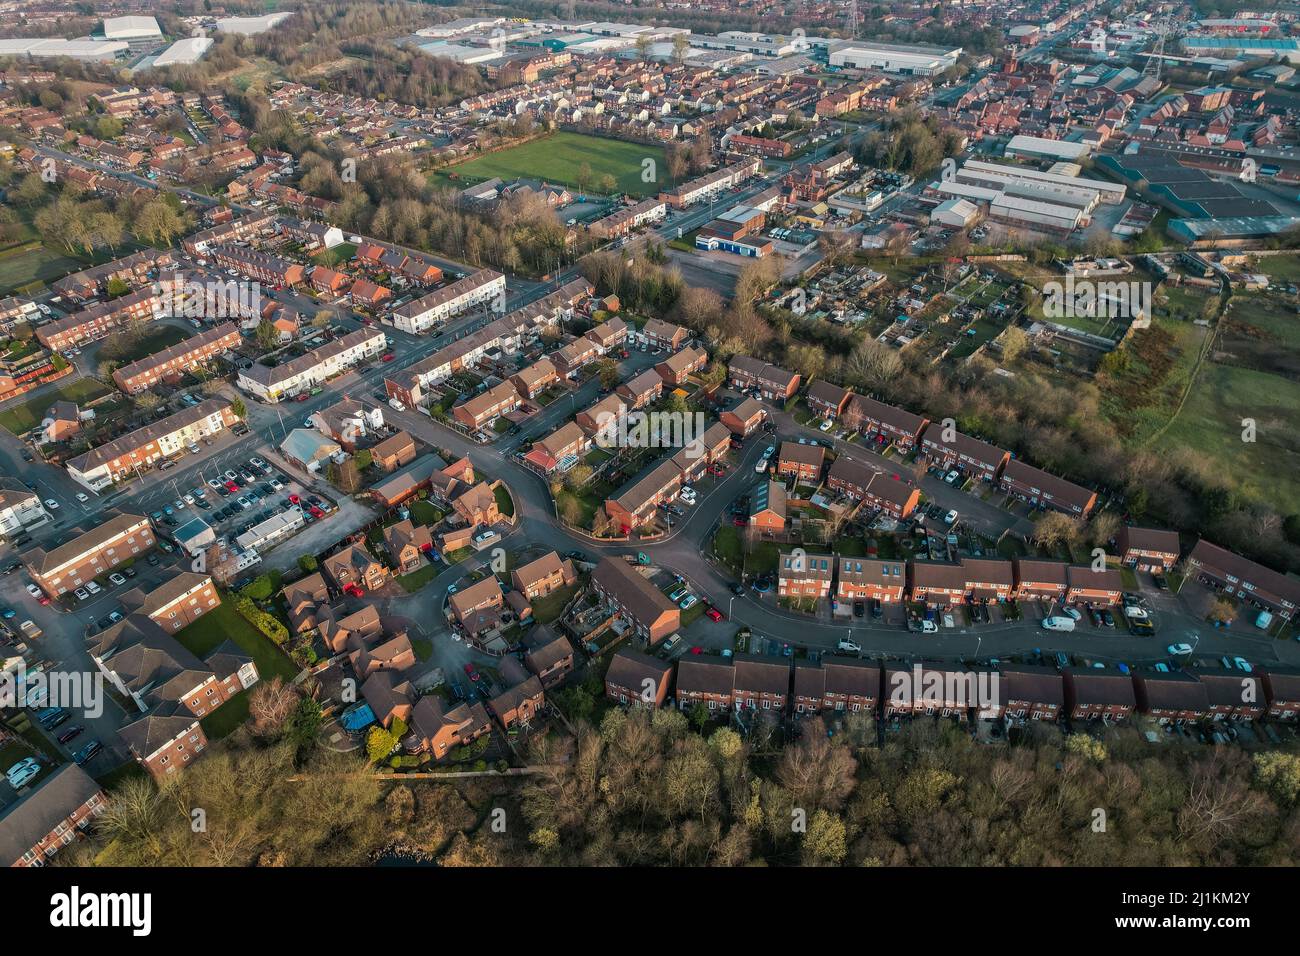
<point x="89" y="554"/>
<point x="165" y="740"/>
<point x="50" y="817"/>
<point x="802" y="575"/>
<point x="147" y="372"/>
<point x="1044" y="490"/>
<point x="438" y="306"/>
<point x="272" y="383"/>
<point x="653" y="617"/>
<point x="139" y="450"/>
<point x="175" y="603"/>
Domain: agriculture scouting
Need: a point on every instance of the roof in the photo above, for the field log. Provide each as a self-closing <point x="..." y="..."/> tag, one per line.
<point x="1093" y="686"/>
<point x="964" y="445"/>
<point x="156" y="729"/>
<point x="746" y="409"/>
<point x="1280" y="585"/>
<point x="768" y="496"/>
<point x="169" y="591"/>
<point x="1173" y="691"/>
<point x="392" y="445"/>
<point x="1283" y="682"/>
<point x="308" y="445"/>
<point x="802" y="454"/>
<point x="642" y="599"/>
<point x="550" y="653"/>
<point x="762" y="675"/>
<point x="135" y="440"/>
<point x="862" y="571"/>
<point x="1059" y="489"/>
<point x="763" y="371"/>
<point x="543" y="567"/>
<point x="814" y="567"/>
<point x="43" y="562"/>
<point x="630" y="669"/>
<point x="1040" y="685"/>
<point x="1083" y="576"/>
<point x="404" y="479"/>
<point x="704" y="675"/>
<point x="480" y="593"/>
<point x="851" y="677"/>
<point x="826" y="393"/>
<point x="1157" y="540"/>
<point x="1040" y="572"/>
<point x="937" y="574"/>
<point x="634" y="495"/>
<point x="36" y="814"/>
<point x="269" y="377"/>
<point x="511" y="698"/>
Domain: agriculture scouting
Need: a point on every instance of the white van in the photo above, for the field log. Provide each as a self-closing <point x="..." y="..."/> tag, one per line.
<point x="1060" y="623"/>
<point x="847" y="645"/>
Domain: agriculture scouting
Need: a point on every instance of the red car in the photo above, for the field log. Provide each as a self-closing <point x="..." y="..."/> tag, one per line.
<point x="294" y="499"/>
<point x="44" y="599"/>
<point x="717" y="471"/>
<point x="232" y="486"/>
<point x="316" y="512"/>
<point x="302" y="397"/>
<point x="740" y="521"/>
<point x="354" y="590"/>
<point x="714" y="614"/>
<point x="625" y="353"/>
<point x="389" y="357"/>
<point x="473" y="674"/>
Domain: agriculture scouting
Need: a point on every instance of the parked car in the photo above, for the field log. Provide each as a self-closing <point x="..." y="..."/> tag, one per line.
<point x="1058" y="623"/>
<point x="845" y="644"/>
<point x="21" y="773"/>
<point x="87" y="752"/>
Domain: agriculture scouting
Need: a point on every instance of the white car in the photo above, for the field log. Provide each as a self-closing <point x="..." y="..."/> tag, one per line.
<point x="826" y="426"/>
<point x="194" y="448"/>
<point x="1073" y="612"/>
<point x="189" y="499"/>
<point x="950" y="517"/>
<point x="688" y="495"/>
<point x="51" y="504"/>
<point x="34" y="591"/>
<point x="117" y="578"/>
<point x="20" y="773"/>
<point x="484" y="536"/>
<point x="93" y="588"/>
<point x="847" y="645"/>
<point x="257" y="462"/>
<point x="82" y="497"/>
<point x="81" y="594"/>
<point x="1176" y="650"/>
<point x="929" y="627"/>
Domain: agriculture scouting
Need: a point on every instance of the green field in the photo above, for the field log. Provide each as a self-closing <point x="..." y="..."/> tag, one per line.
<point x="224" y="622"/>
<point x="32" y="265"/>
<point x="156" y="339"/>
<point x="25" y="416"/>
<point x="558" y="158"/>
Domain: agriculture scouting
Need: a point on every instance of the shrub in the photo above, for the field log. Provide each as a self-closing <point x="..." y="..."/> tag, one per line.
<point x="308" y="563"/>
<point x="267" y="623"/>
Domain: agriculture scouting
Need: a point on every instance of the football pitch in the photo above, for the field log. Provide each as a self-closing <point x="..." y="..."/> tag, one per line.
<point x="559" y="158"/>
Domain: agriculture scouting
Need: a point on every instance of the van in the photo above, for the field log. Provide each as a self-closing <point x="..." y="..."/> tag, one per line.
<point x="1058" y="623"/>
<point x="847" y="645"/>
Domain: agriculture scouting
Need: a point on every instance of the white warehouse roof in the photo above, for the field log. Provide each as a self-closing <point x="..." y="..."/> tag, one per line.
<point x="77" y="49"/>
<point x="182" y="52"/>
<point x="248" y="26"/>
<point x="131" y="28"/>
<point x="1041" y="146"/>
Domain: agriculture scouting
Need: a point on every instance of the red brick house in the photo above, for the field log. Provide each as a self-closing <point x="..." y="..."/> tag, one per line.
<point x="865" y="579"/>
<point x="1172" y="696"/>
<point x="745" y="418"/>
<point x="710" y="681"/>
<point x="1093" y="694"/>
<point x="1045" y="490"/>
<point x="803" y="462"/>
<point x="1096" y="587"/>
<point x="826" y="400"/>
<point x="761" y="683"/>
<point x="1148" y="549"/>
<point x="636" y="678"/>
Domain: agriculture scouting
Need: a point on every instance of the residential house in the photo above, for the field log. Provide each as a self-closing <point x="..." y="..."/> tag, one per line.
<point x="803" y="462"/>
<point x="664" y="335"/>
<point x="1148" y="549"/>
<point x="745" y="418"/>
<point x="1044" y="490"/>
<point x="536" y="378"/>
<point x="540" y="577"/>
<point x="1233" y="695"/>
<point x="883" y="424"/>
<point x="1172" y="696"/>
<point x="767" y="507"/>
<point x="551" y="658"/>
<point x="477" y="505"/>
<point x="678" y="367"/>
<point x="50" y="816"/>
<point x="407" y="543"/>
<point x="437" y="729"/>
<point x="1095" y="694"/>
<point x="652" y="616"/>
<point x="951" y="449"/>
<point x="303" y="599"/>
<point x="1041" y="580"/>
<point x="633" y="677"/>
<point x="771" y="382"/>
<point x="353" y="568"/>
<point x="826" y="400"/>
<point x="517" y="706"/>
<point x="1088" y="586"/>
<point x="1030" y="692"/>
<point x="478" y="608"/>
<point x="635" y="503"/>
<point x="707" y="681"/>
<point x="1282" y="692"/>
<point x="641" y="390"/>
<point x="801" y="575"/>
<point x="394" y="451"/>
<point x="760" y="683"/>
<point x="867" y="579"/>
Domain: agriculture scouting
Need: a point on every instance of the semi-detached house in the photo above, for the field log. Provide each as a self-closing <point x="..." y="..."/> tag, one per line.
<point x="271" y="384"/>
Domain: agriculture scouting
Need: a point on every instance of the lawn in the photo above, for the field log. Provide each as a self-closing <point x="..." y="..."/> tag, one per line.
<point x="227" y="718"/>
<point x="423" y="513"/>
<point x="557" y="159"/>
<point x="156" y="339"/>
<point x="224" y="622"/>
<point x="25" y="416"/>
<point x="417" y="579"/>
<point x="727" y="546"/>
<point x="33" y="265"/>
<point x="547" y="609"/>
<point x="505" y="504"/>
<point x="330" y="258"/>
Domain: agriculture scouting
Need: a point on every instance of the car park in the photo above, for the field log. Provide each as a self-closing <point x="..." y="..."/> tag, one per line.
<point x="71" y="733"/>
<point x="51" y="504"/>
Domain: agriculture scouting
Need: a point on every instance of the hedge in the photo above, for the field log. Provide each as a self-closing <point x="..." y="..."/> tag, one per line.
<point x="268" y="624"/>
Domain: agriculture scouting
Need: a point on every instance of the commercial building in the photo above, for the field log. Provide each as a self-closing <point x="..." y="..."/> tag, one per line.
<point x="902" y="59"/>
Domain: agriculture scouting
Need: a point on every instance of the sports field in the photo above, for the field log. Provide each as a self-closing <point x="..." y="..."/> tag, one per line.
<point x="559" y="158"/>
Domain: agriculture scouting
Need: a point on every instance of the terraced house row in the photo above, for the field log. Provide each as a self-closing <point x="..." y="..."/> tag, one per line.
<point x="635" y="502"/>
<point x="141" y="449"/>
<point x="941" y="584"/>
<point x="170" y="362"/>
<point x="98" y="320"/>
<point x="1016" y="692"/>
<point x="427" y="311"/>
<point x="271" y="383"/>
<point x="412" y="385"/>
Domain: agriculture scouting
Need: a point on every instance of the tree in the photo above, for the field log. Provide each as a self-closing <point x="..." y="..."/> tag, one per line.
<point x="157" y="223"/>
<point x="267" y="335"/>
<point x="238" y="408"/>
<point x="344" y="475"/>
<point x="1055" y="529"/>
<point x="147" y="401"/>
<point x="1014" y="342"/>
<point x="322" y="318"/>
<point x="270" y="705"/>
<point x="607" y="184"/>
<point x="380" y="743"/>
<point x="308" y="563"/>
<point x="609" y="374"/>
<point x="681" y="44"/>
